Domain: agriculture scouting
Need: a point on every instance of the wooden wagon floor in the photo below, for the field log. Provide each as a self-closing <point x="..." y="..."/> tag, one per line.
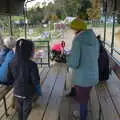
<point x="53" y="93"/>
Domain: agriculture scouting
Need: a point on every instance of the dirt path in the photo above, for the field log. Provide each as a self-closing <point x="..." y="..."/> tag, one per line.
<point x="100" y="31"/>
<point x="68" y="37"/>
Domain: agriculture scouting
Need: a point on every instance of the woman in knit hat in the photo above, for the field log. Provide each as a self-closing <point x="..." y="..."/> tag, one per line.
<point x="84" y="61"/>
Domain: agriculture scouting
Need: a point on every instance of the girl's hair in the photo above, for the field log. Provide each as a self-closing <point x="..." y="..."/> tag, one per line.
<point x="24" y="49"/>
<point x="23" y="53"/>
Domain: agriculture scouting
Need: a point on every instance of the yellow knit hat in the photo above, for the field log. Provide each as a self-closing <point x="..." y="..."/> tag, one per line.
<point x="78" y="24"/>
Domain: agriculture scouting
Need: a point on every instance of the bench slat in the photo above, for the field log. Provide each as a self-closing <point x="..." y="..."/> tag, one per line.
<point x="53" y="108"/>
<point x="107" y="105"/>
<point x="94" y="104"/>
<point x="65" y="109"/>
<point x="3" y="91"/>
<point x="114" y="90"/>
<point x="44" y="74"/>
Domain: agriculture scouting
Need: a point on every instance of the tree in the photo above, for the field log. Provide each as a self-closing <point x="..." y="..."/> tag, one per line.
<point x="35" y="15"/>
<point x="118" y="18"/>
<point x="95" y="11"/>
<point x="74" y="7"/>
<point x="82" y="12"/>
<point x="59" y="10"/>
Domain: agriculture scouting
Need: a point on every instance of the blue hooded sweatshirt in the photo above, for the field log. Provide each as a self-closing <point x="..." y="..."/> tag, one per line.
<point x="4" y="66"/>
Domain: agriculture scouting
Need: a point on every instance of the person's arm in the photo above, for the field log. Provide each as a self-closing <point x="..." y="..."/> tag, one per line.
<point x="36" y="79"/>
<point x="73" y="59"/>
<point x="4" y="66"/>
<point x="10" y="77"/>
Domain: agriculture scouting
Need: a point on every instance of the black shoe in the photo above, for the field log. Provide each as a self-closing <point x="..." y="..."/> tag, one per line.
<point x="72" y="93"/>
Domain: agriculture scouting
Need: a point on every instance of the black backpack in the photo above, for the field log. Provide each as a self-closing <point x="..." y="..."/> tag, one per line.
<point x="103" y="63"/>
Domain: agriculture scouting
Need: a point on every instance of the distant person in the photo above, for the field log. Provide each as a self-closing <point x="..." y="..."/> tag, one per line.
<point x="26" y="78"/>
<point x="58" y="51"/>
<point x="84" y="61"/>
<point x="6" y="57"/>
<point x="103" y="62"/>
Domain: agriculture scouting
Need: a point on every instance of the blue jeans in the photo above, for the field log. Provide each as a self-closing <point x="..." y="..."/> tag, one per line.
<point x="83" y="111"/>
<point x="24" y="107"/>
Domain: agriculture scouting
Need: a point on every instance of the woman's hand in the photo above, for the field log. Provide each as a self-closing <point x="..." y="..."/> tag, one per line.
<point x="67" y="52"/>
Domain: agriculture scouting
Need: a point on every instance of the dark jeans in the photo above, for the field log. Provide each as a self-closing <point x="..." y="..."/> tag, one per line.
<point x="83" y="111"/>
<point x="24" y="107"/>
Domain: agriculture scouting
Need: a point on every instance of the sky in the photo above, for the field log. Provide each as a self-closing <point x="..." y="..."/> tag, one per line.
<point x="31" y="4"/>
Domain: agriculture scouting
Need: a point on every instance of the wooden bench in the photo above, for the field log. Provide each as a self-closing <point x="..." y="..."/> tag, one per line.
<point x="105" y="98"/>
<point x="3" y="92"/>
<point x="53" y="89"/>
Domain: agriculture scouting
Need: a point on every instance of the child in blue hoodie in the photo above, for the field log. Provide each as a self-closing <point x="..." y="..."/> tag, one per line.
<point x="6" y="57"/>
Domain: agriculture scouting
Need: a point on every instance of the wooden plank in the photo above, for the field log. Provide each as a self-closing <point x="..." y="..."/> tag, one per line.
<point x="112" y="88"/>
<point x="39" y="110"/>
<point x="94" y="105"/>
<point x="65" y="109"/>
<point x="43" y="74"/>
<point x="115" y="66"/>
<point x="114" y="91"/>
<point x="9" y="102"/>
<point x="41" y="69"/>
<point x="68" y="104"/>
<point x="52" y="112"/>
<point x="4" y="90"/>
<point x="68" y="80"/>
<point x="113" y="85"/>
<point x="108" y="109"/>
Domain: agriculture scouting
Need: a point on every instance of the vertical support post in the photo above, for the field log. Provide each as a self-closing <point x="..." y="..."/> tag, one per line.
<point x="25" y="25"/>
<point x="113" y="34"/>
<point x="49" y="29"/>
<point x="48" y="54"/>
<point x="41" y="62"/>
<point x="113" y="29"/>
<point x="10" y="25"/>
<point x="105" y="25"/>
<point x="105" y="14"/>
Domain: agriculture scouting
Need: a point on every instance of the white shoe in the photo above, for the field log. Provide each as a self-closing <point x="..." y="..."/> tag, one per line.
<point x="76" y="114"/>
